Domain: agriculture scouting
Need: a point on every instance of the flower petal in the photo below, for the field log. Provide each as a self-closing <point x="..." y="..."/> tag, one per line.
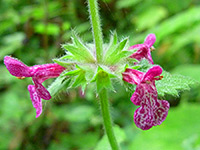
<point x="148" y="57"/>
<point x="151" y="73"/>
<point x="36" y="100"/>
<point x="145" y="94"/>
<point x="137" y="46"/>
<point x="132" y="76"/>
<point x="160" y="111"/>
<point x="150" y="40"/>
<point x="16" y="67"/>
<point x="141" y="52"/>
<point x="46" y="71"/>
<point x="41" y="90"/>
<point x="143" y="117"/>
<point x="138" y="95"/>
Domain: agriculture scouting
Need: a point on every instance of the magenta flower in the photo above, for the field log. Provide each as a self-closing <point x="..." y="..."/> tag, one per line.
<point x="144" y="50"/>
<point x="152" y="111"/>
<point x="39" y="74"/>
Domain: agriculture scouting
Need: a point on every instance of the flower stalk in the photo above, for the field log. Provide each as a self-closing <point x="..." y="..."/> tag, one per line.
<point x="107" y="119"/>
<point x="98" y="40"/>
<point x="96" y="28"/>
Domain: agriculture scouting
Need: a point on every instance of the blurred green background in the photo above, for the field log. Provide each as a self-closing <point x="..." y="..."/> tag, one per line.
<point x="33" y="30"/>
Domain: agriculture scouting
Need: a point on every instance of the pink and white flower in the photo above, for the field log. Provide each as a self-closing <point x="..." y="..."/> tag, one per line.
<point x="152" y="111"/>
<point x="39" y="74"/>
<point x="144" y="50"/>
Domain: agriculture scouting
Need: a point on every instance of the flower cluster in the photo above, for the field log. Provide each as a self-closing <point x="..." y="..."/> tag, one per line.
<point x="39" y="74"/>
<point x="152" y="111"/>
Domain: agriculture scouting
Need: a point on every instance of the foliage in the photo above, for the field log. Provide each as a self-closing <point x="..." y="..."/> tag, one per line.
<point x="173" y="84"/>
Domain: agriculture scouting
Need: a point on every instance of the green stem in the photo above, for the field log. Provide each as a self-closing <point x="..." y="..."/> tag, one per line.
<point x="107" y="119"/>
<point x="96" y="27"/>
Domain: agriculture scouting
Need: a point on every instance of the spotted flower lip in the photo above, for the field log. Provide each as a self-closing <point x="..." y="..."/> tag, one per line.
<point x="152" y="111"/>
<point x="144" y="50"/>
<point x="39" y="74"/>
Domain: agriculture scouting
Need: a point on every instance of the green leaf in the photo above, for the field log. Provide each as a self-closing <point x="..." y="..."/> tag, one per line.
<point x="102" y="79"/>
<point x="63" y="63"/>
<point x="89" y="71"/>
<point x="80" y="54"/>
<point x="78" y="42"/>
<point x="105" y="145"/>
<point x="173" y="84"/>
<point x="116" y="53"/>
<point x="120" y="46"/>
<point x="80" y="80"/>
<point x="72" y="73"/>
<point x="143" y="65"/>
<point x="79" y="76"/>
<point x="123" y="54"/>
<point x="84" y="50"/>
<point x="112" y="45"/>
<point x="68" y="58"/>
<point x="111" y="73"/>
<point x="74" y="51"/>
<point x="59" y="84"/>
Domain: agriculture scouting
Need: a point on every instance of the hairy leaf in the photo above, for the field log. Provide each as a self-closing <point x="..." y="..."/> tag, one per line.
<point x="102" y="79"/>
<point x="79" y="50"/>
<point x="64" y="63"/>
<point x="117" y="52"/>
<point x="112" y="45"/>
<point x="58" y="85"/>
<point x="80" y="80"/>
<point x="173" y="84"/>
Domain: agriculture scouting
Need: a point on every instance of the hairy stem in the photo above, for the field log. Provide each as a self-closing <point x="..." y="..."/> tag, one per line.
<point x="107" y="119"/>
<point x="96" y="27"/>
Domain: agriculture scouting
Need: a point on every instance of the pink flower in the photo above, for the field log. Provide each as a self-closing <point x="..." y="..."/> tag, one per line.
<point x="39" y="74"/>
<point x="144" y="50"/>
<point x="152" y="111"/>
